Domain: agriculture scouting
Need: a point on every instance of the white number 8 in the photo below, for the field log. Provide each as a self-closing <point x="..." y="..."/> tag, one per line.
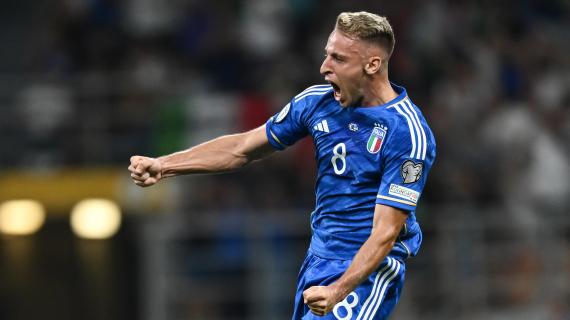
<point x="347" y="305"/>
<point x="337" y="156"/>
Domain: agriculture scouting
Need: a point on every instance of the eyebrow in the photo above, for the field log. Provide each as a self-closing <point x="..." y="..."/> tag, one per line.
<point x="338" y="56"/>
<point x="335" y="55"/>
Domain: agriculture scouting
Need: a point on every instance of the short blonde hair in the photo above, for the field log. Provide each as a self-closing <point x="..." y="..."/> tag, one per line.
<point x="368" y="27"/>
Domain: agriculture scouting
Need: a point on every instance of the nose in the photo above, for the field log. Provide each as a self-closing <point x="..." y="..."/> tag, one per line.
<point x="325" y="67"/>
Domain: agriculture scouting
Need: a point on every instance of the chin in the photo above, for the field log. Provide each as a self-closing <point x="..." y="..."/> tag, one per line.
<point x="343" y="102"/>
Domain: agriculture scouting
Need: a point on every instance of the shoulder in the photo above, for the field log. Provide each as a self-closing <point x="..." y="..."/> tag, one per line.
<point x="410" y="129"/>
<point x="304" y="105"/>
<point x="313" y="94"/>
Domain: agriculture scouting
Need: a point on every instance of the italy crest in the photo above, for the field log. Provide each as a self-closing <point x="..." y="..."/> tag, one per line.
<point x="375" y="140"/>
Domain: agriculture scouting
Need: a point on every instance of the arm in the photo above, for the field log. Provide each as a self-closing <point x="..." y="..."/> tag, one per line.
<point x="388" y="222"/>
<point x="222" y="154"/>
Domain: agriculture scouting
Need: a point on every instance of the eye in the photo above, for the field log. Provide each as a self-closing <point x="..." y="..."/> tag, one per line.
<point x="337" y="57"/>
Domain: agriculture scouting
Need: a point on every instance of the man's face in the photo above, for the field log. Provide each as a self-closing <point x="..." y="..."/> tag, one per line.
<point x="343" y="68"/>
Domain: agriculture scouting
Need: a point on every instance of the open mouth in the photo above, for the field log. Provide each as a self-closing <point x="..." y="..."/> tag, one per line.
<point x="336" y="89"/>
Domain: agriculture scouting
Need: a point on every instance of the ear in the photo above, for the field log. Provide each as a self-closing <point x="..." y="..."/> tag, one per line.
<point x="374" y="65"/>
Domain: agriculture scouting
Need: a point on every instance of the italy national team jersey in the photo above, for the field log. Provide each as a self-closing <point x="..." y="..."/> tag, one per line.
<point x="365" y="156"/>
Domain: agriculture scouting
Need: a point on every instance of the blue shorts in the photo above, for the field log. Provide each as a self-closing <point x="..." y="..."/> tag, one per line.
<point x="375" y="298"/>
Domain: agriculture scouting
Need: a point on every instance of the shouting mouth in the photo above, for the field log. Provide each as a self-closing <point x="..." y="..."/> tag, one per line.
<point x="336" y="89"/>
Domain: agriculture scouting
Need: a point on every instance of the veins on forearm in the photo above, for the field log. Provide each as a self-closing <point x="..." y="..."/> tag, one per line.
<point x="216" y="156"/>
<point x="366" y="260"/>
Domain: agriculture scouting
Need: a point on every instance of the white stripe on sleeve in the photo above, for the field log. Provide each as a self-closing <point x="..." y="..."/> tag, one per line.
<point x="412" y="132"/>
<point x="314" y="88"/>
<point x="424" y="145"/>
<point x="319" y="92"/>
<point x="416" y="124"/>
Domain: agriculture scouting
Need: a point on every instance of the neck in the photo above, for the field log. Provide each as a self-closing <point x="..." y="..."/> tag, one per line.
<point x="379" y="92"/>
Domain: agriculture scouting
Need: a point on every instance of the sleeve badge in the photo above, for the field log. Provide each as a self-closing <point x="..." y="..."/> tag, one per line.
<point x="282" y="114"/>
<point x="411" y="171"/>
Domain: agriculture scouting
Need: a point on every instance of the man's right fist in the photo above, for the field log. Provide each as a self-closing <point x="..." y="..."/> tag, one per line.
<point x="145" y="171"/>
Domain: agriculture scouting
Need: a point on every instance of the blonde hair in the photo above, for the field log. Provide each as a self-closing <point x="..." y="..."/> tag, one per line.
<point x="368" y="27"/>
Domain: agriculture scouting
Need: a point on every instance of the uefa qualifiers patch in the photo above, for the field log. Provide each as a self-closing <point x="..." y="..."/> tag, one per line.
<point x="411" y="171"/>
<point x="282" y="114"/>
<point x="404" y="193"/>
<point x="376" y="139"/>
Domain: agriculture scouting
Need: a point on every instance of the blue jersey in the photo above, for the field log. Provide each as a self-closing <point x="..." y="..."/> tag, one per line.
<point x="365" y="156"/>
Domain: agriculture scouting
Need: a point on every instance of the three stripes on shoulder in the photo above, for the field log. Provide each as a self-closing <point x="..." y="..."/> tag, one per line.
<point x="317" y="90"/>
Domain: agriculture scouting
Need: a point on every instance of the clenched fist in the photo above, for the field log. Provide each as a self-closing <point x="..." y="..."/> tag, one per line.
<point x="321" y="299"/>
<point x="145" y="171"/>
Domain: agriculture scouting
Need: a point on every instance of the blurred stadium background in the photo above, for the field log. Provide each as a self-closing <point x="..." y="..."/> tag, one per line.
<point x="86" y="84"/>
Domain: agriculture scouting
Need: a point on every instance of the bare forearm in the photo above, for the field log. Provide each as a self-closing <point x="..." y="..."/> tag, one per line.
<point x="366" y="260"/>
<point x="218" y="155"/>
<point x="222" y="154"/>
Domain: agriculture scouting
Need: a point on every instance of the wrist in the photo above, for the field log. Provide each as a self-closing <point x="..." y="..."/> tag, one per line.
<point x="340" y="291"/>
<point x="162" y="166"/>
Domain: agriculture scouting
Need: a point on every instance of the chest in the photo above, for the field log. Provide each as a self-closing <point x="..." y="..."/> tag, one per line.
<point x="349" y="143"/>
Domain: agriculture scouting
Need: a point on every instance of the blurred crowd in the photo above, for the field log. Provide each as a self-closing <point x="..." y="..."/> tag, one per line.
<point x="102" y="80"/>
<point x="90" y="83"/>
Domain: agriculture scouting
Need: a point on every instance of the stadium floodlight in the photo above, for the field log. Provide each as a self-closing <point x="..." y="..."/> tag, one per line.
<point x="21" y="217"/>
<point x="95" y="219"/>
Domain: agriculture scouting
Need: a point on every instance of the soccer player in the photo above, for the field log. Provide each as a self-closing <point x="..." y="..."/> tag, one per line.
<point x="373" y="149"/>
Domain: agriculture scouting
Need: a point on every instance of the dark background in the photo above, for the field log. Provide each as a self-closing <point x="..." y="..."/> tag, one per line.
<point x="86" y="84"/>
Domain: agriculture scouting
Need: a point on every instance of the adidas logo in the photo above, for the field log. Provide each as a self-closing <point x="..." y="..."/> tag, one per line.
<point x="322" y="126"/>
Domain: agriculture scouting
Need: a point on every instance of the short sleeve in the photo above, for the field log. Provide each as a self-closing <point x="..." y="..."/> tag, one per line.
<point x="406" y="164"/>
<point x="289" y="125"/>
<point x="286" y="127"/>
